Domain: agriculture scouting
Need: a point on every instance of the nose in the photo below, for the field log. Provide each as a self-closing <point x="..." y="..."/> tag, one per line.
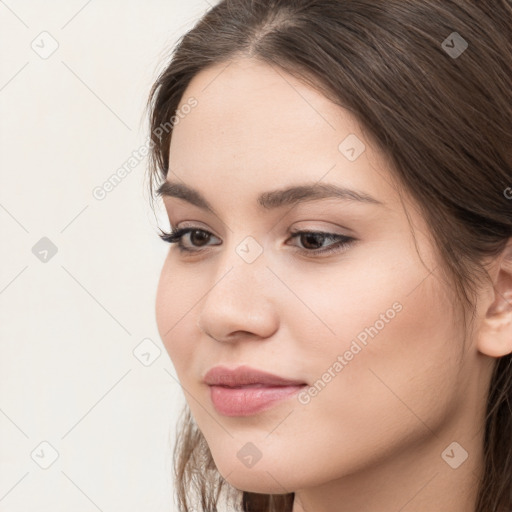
<point x="240" y="303"/>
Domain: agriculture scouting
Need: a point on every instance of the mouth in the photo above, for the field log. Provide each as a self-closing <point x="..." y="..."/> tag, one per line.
<point x="245" y="391"/>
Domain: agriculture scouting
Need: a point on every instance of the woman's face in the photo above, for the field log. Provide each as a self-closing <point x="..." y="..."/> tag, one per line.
<point x="369" y="328"/>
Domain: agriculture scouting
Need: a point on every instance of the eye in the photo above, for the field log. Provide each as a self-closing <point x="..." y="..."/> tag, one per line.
<point x="176" y="237"/>
<point x="307" y="238"/>
<point x="200" y="237"/>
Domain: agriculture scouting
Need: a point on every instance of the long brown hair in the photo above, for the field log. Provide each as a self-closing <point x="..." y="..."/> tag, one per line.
<point x="438" y="104"/>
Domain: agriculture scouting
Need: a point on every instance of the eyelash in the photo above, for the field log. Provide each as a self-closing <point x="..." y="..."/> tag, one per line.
<point x="176" y="235"/>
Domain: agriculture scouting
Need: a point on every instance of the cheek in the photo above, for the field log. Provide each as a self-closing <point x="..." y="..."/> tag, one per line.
<point x="384" y="331"/>
<point x="399" y="341"/>
<point x="175" y="301"/>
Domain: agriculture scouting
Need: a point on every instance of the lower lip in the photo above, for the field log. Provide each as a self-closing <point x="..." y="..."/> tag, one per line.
<point x="249" y="400"/>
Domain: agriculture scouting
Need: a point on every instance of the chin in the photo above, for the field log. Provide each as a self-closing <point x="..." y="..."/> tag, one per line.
<point x="266" y="476"/>
<point x="261" y="482"/>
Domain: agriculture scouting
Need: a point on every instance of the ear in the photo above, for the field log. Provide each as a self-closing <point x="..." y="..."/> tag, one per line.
<point x="495" y="335"/>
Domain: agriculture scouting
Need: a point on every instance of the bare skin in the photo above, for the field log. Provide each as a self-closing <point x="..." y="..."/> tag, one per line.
<point x="378" y="435"/>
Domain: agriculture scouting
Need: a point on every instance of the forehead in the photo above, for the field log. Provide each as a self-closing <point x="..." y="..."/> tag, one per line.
<point x="256" y="127"/>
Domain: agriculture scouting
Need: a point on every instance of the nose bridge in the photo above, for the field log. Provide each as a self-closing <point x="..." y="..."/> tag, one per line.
<point x="242" y="265"/>
<point x="240" y="297"/>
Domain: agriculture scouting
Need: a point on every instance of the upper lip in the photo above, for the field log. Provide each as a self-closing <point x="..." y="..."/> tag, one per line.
<point x="245" y="376"/>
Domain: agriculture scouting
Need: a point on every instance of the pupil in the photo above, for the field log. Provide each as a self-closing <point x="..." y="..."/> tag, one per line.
<point x="313" y="236"/>
<point x="202" y="235"/>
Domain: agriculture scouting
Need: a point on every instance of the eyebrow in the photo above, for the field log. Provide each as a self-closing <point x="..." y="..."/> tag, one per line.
<point x="275" y="198"/>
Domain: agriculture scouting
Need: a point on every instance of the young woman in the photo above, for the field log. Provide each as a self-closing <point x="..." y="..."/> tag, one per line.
<point x="338" y="299"/>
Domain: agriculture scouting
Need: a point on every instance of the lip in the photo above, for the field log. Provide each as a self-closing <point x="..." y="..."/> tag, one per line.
<point x="245" y="376"/>
<point x="244" y="391"/>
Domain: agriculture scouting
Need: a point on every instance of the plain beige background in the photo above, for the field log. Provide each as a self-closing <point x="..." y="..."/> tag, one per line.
<point x="88" y="396"/>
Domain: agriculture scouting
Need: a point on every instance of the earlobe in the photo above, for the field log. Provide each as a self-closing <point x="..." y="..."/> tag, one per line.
<point x="495" y="334"/>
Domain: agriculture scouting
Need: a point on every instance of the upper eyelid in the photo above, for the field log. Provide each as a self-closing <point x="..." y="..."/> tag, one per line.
<point x="296" y="209"/>
<point x="195" y="224"/>
<point x="323" y="231"/>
